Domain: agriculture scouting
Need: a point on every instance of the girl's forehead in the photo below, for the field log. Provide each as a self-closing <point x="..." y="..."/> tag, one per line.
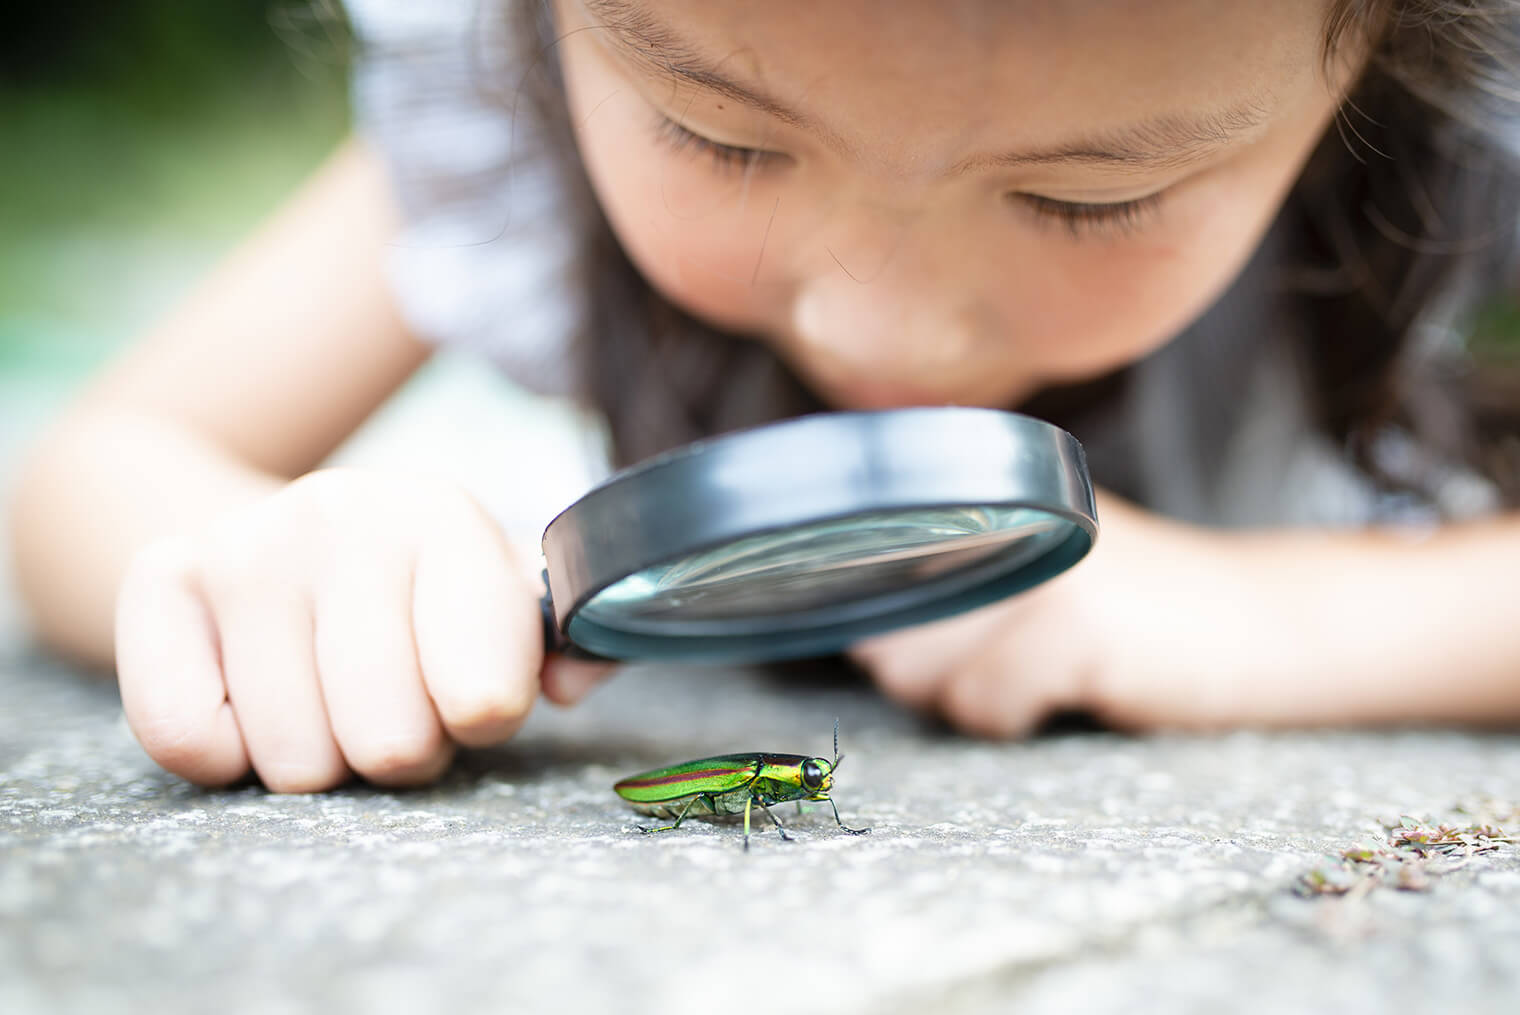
<point x="856" y="71"/>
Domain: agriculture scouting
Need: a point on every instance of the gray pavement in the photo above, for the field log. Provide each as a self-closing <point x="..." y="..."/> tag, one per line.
<point x="1085" y="871"/>
<point x="1077" y="871"/>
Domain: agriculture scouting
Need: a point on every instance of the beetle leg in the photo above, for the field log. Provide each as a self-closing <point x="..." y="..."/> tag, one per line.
<point x="841" y="824"/>
<point x="762" y="802"/>
<point x="679" y="817"/>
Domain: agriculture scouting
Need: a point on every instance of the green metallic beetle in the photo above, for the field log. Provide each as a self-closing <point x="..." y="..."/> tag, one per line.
<point x="732" y="784"/>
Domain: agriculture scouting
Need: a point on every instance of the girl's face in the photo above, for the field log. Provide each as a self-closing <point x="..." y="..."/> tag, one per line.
<point x="950" y="202"/>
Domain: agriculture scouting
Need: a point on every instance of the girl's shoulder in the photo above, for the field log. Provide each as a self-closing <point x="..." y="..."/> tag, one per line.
<point x="484" y="257"/>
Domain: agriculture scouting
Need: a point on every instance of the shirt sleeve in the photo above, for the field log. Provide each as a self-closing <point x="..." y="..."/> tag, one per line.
<point x="484" y="257"/>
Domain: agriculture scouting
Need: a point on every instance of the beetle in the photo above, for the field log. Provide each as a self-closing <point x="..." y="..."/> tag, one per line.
<point x="732" y="784"/>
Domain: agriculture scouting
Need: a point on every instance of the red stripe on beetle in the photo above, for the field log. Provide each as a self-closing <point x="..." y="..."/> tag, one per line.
<point x="665" y="780"/>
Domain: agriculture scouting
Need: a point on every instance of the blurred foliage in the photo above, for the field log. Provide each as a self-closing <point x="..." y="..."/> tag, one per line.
<point x="1496" y="335"/>
<point x="141" y="139"/>
<point x="115" y="41"/>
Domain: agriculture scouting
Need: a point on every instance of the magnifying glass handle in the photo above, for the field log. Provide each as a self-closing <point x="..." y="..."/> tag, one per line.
<point x="554" y="638"/>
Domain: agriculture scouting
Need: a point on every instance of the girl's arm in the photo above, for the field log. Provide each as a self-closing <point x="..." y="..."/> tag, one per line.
<point x="343" y="622"/>
<point x="280" y="353"/>
<point x="1168" y="625"/>
<point x="1389" y="625"/>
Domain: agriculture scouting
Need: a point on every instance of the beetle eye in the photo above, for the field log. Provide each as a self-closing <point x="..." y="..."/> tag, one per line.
<point x="812" y="774"/>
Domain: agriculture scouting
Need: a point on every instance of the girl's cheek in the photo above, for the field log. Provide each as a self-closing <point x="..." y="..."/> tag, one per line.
<point x="701" y="239"/>
<point x="696" y="233"/>
<point x="1096" y="305"/>
<point x="684" y="226"/>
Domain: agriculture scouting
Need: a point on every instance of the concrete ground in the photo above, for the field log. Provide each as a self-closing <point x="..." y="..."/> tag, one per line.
<point x="1079" y="871"/>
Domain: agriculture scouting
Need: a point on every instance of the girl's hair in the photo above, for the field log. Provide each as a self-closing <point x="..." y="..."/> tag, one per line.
<point x="1404" y="219"/>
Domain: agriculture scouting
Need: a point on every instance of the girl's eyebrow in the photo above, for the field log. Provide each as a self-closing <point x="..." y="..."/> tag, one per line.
<point x="653" y="44"/>
<point x="1162" y="142"/>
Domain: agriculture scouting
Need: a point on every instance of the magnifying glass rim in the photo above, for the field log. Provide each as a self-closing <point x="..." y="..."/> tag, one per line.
<point x="807" y="471"/>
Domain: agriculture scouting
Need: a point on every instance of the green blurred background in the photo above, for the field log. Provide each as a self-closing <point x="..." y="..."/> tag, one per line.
<point x="141" y="139"/>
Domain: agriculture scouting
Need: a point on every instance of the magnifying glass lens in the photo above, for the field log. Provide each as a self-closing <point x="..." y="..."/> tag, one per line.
<point x="822" y="573"/>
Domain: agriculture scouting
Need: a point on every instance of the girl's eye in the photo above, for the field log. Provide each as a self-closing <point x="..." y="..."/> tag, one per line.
<point x="725" y="157"/>
<point x="1082" y="219"/>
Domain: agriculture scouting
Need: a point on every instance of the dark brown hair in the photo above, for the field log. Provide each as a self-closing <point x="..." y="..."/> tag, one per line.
<point x="1404" y="218"/>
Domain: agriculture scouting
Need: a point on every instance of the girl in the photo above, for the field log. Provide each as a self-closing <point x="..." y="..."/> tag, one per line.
<point x="1230" y="246"/>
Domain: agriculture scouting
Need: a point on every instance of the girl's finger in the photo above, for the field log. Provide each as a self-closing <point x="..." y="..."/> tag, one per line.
<point x="381" y="715"/>
<point x="566" y="681"/>
<point x="911" y="665"/>
<point x="1010" y="688"/>
<point x="269" y="662"/>
<point x="989" y="701"/>
<point x="169" y="671"/>
<point x="477" y="626"/>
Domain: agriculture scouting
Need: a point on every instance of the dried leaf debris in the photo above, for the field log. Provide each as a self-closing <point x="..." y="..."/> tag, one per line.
<point x="1411" y="852"/>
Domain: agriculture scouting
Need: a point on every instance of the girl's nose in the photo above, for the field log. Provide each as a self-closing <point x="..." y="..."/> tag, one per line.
<point x="887" y="303"/>
<point x="900" y="323"/>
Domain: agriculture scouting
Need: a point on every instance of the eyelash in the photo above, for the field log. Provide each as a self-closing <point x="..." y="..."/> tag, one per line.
<point x="1080" y="219"/>
<point x="725" y="157"/>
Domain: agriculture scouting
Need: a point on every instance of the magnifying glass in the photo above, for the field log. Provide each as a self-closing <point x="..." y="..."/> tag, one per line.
<point x="799" y="538"/>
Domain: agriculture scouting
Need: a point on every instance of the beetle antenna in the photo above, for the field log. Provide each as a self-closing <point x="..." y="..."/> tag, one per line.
<point x="837" y="756"/>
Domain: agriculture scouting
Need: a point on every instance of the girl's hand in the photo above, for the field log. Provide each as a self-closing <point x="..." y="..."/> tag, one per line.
<point x="1159" y="626"/>
<point x="349" y="623"/>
